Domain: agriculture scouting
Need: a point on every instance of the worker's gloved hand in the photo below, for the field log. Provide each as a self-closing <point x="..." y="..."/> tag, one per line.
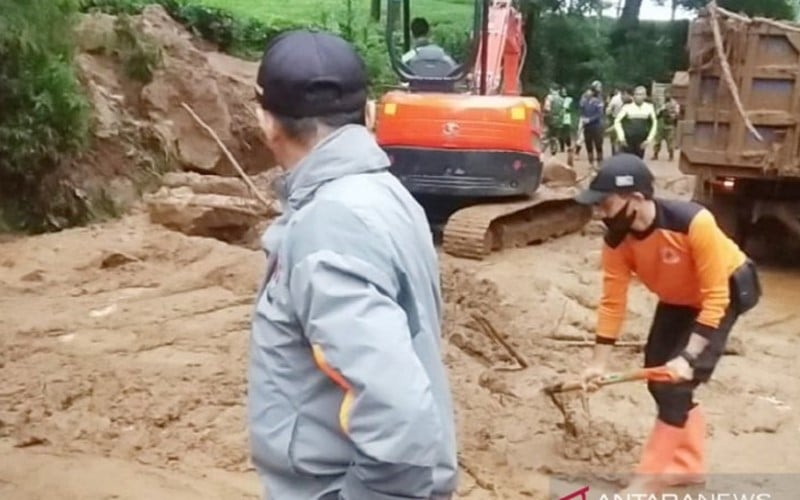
<point x="591" y="375"/>
<point x="681" y="367"/>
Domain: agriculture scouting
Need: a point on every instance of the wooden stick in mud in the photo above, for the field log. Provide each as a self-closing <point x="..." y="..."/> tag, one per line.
<point x="492" y="332"/>
<point x="726" y="69"/>
<point x="480" y="482"/>
<point x="731" y="350"/>
<point x="229" y="155"/>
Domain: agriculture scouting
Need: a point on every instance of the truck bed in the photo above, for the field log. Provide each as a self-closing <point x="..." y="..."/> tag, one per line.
<point x="765" y="60"/>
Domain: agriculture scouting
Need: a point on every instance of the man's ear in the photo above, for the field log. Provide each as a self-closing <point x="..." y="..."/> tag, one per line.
<point x="267" y="124"/>
<point x="637" y="196"/>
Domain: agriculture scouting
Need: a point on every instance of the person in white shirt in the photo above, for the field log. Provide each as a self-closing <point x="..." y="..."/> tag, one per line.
<point x="614" y="106"/>
<point x="636" y="124"/>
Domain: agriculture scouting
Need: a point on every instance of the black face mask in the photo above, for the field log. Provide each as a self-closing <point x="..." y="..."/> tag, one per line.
<point x="618" y="226"/>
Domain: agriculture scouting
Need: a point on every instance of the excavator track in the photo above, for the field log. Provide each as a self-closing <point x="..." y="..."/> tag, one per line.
<point x="474" y="232"/>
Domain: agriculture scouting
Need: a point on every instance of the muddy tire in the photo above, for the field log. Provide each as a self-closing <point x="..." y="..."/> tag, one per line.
<point x="726" y="209"/>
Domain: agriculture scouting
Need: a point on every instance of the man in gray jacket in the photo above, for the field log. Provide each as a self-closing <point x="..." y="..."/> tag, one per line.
<point x="348" y="397"/>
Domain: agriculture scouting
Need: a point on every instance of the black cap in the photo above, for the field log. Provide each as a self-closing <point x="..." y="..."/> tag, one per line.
<point x="306" y="74"/>
<point x="622" y="173"/>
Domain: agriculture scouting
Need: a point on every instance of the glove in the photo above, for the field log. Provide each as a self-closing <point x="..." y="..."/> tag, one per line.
<point x="681" y="367"/>
<point x="589" y="376"/>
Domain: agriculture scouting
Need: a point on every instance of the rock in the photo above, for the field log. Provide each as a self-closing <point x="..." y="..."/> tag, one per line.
<point x="178" y="83"/>
<point x="227" y="218"/>
<point x="122" y="191"/>
<point x="218" y="88"/>
<point x="37" y="275"/>
<point x="763" y="416"/>
<point x="207" y="184"/>
<point x="95" y="32"/>
<point x="102" y="86"/>
<point x="559" y="173"/>
<point x="116" y="259"/>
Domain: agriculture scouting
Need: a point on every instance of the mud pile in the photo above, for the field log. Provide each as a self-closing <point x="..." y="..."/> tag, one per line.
<point x="473" y="320"/>
<point x="141" y="354"/>
<point x="508" y="426"/>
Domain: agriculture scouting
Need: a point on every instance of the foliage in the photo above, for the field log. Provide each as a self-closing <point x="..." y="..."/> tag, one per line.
<point x="566" y="44"/>
<point x="240" y="36"/>
<point x="776" y="9"/>
<point x="44" y="114"/>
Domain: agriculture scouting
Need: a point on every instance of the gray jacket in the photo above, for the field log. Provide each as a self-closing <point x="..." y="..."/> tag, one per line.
<point x="429" y="59"/>
<point x="347" y="393"/>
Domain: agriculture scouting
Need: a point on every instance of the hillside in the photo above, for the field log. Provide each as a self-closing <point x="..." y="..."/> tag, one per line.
<point x="294" y="10"/>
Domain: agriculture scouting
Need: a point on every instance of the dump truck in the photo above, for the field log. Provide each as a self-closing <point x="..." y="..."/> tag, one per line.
<point x="657" y="91"/>
<point x="679" y="87"/>
<point x="739" y="135"/>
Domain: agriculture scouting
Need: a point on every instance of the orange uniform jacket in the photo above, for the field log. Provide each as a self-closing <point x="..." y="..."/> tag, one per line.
<point x="684" y="258"/>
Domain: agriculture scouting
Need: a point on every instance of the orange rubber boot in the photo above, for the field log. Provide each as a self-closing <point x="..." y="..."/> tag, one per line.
<point x="657" y="455"/>
<point x="688" y="466"/>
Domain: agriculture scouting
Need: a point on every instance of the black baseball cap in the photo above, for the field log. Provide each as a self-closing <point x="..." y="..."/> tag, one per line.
<point x="622" y="173"/>
<point x="305" y="74"/>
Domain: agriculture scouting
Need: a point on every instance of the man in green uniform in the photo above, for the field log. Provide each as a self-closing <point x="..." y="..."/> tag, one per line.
<point x="554" y="118"/>
<point x="565" y="133"/>
<point x="668" y="116"/>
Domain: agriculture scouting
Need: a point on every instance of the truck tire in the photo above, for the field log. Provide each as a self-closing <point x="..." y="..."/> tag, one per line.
<point x="726" y="209"/>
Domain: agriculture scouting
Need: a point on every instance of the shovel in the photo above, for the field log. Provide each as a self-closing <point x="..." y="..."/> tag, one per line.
<point x="655" y="374"/>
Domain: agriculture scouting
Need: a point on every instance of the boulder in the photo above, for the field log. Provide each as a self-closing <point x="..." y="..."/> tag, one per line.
<point x="226" y="218"/>
<point x="558" y="173"/>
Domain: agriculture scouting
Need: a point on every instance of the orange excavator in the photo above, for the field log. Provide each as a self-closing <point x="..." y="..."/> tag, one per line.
<point x="467" y="144"/>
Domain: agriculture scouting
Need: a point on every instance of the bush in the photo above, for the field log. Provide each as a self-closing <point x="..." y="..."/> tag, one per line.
<point x="45" y="114"/>
<point x="247" y="37"/>
<point x="239" y="36"/>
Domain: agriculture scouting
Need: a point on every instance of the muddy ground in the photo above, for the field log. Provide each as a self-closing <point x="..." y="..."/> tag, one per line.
<point x="123" y="357"/>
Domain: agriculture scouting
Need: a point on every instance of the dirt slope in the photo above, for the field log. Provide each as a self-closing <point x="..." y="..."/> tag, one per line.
<point x="123" y="359"/>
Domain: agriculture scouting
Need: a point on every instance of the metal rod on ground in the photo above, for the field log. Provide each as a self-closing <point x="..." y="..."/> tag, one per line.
<point x="726" y="69"/>
<point x="730" y="350"/>
<point x="229" y="155"/>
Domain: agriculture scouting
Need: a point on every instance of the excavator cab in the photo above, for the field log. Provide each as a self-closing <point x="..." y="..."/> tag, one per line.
<point x="431" y="69"/>
<point x="469" y="148"/>
<point x="468" y="145"/>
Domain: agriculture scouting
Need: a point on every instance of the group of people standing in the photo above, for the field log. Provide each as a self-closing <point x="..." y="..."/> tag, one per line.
<point x="629" y="119"/>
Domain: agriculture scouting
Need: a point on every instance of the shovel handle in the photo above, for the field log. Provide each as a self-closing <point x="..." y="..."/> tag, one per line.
<point x="654" y="374"/>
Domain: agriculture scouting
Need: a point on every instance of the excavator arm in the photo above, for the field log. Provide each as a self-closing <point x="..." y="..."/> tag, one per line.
<point x="502" y="50"/>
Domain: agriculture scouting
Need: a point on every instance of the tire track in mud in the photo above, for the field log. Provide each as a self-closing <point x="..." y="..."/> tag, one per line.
<point x="150" y="367"/>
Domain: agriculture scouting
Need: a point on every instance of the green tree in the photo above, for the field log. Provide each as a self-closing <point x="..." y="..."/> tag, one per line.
<point x="776" y="9"/>
<point x="44" y="112"/>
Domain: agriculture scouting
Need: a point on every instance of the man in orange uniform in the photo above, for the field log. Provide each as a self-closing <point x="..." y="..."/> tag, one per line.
<point x="704" y="283"/>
